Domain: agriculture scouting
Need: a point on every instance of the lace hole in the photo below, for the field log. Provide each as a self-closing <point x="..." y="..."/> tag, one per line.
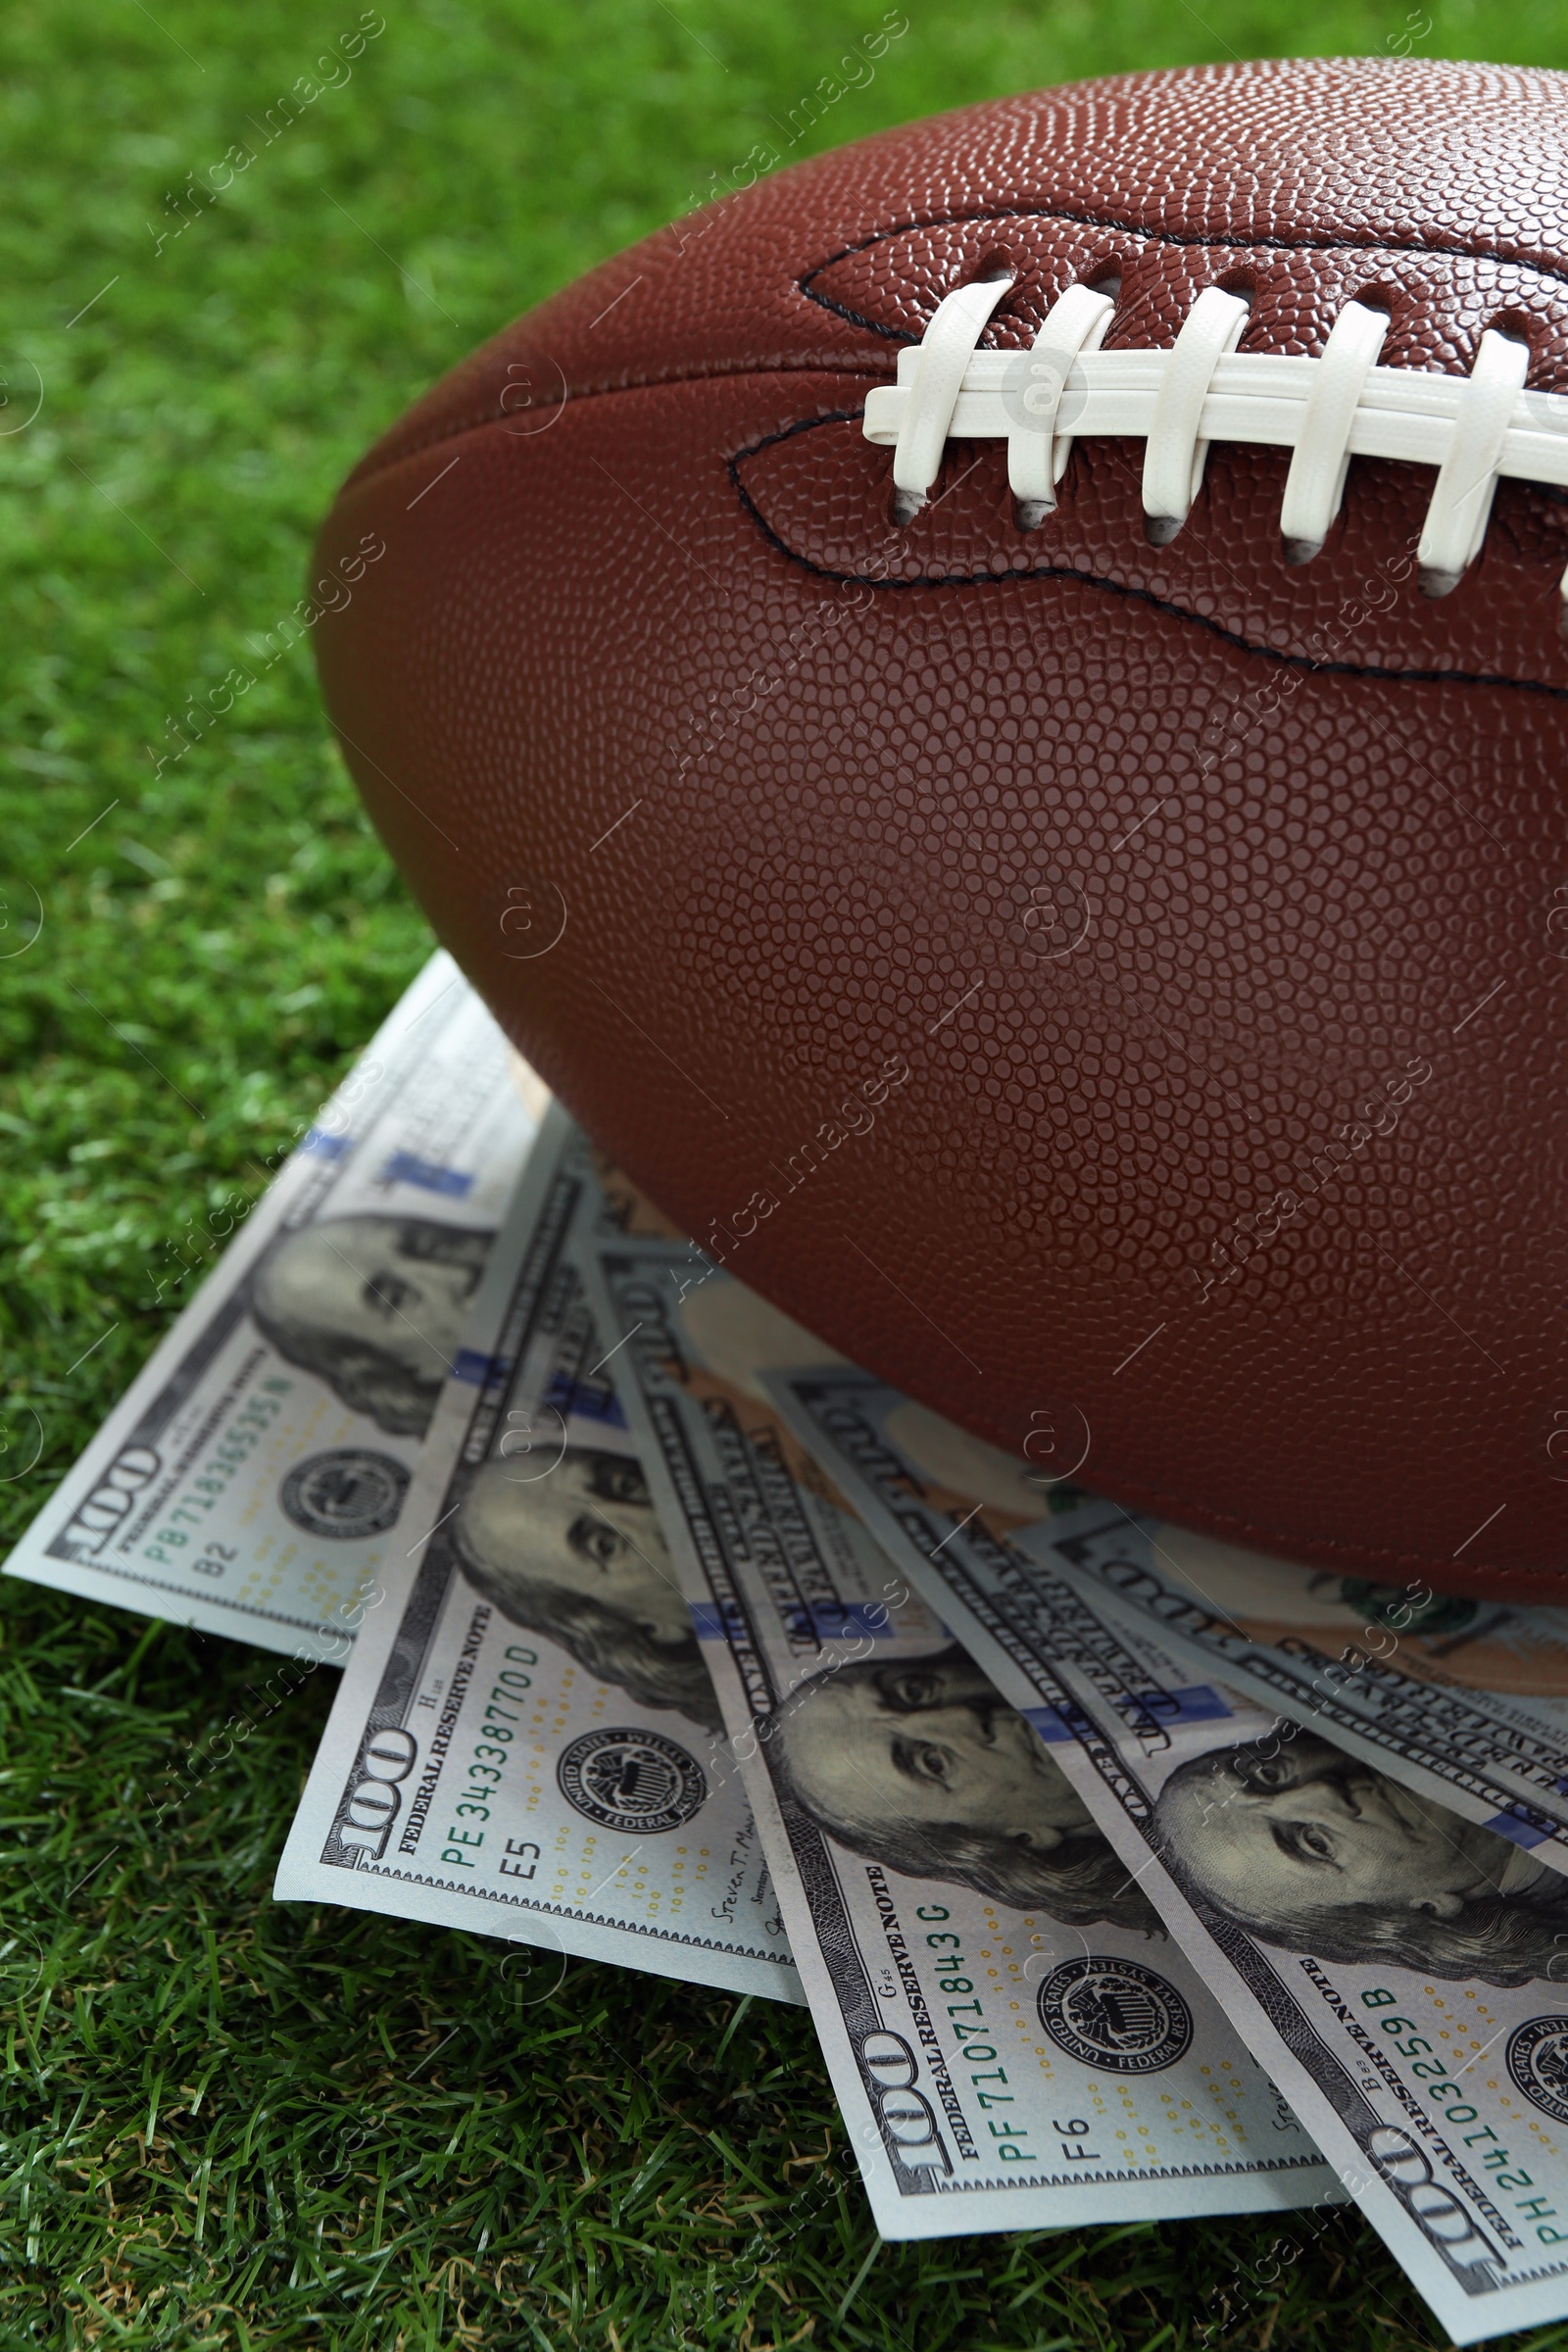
<point x="1516" y="326"/>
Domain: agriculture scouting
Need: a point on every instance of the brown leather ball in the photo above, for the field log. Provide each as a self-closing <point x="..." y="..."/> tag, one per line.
<point x="1097" y="986"/>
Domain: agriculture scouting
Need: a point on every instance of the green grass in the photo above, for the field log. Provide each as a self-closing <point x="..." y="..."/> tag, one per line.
<point x="227" y="2123"/>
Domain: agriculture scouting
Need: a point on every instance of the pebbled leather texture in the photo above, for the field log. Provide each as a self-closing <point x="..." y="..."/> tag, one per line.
<point x="1216" y="910"/>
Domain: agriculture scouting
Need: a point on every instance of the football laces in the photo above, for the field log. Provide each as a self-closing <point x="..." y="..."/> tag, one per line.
<point x="1325" y="410"/>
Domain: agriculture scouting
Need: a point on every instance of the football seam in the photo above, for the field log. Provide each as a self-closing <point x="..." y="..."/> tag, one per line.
<point x="1088" y="579"/>
<point x="1149" y="236"/>
<point x="365" y="473"/>
<point x="1153" y="236"/>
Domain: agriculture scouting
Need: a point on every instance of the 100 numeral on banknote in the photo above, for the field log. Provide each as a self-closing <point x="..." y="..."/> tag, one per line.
<point x="1012" y="2039"/>
<point x="1396" y="1967"/>
<point x="254" y="1479"/>
<point x="526" y="1740"/>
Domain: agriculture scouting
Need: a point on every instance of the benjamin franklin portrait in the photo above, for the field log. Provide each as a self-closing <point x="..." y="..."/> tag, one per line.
<point x="1305" y="1846"/>
<point x="921" y="1765"/>
<point x="373" y="1305"/>
<point x="579" y="1556"/>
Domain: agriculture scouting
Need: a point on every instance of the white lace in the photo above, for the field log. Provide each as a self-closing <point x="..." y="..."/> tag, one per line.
<point x="1472" y="428"/>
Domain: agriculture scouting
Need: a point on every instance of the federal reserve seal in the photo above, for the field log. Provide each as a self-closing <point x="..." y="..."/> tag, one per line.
<point x="345" y="1493"/>
<point x="1115" y="2014"/>
<point x="638" y="1781"/>
<point x="1538" y="2060"/>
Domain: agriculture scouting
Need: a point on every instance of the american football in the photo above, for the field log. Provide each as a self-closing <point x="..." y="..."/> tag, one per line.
<point x="987" y="711"/>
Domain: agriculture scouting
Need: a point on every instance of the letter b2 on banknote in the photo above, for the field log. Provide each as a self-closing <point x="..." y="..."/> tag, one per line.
<point x="254" y="1479"/>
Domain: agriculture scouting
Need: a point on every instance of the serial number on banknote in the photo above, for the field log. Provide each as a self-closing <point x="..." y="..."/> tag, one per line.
<point x="244" y="1434"/>
<point x="498" y="1728"/>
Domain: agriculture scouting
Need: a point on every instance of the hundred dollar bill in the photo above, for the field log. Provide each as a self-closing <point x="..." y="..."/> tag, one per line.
<point x="1400" y="1971"/>
<point x="254" y="1479"/>
<point x="1014" y="2040"/>
<point x="525" y="1740"/>
<point x="1463" y="1701"/>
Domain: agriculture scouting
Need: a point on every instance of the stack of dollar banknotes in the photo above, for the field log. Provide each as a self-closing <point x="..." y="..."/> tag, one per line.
<point x="1126" y="1874"/>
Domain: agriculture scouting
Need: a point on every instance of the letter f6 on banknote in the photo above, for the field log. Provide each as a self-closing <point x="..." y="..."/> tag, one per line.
<point x="1015" y="2041"/>
<point x="1397" y="1967"/>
